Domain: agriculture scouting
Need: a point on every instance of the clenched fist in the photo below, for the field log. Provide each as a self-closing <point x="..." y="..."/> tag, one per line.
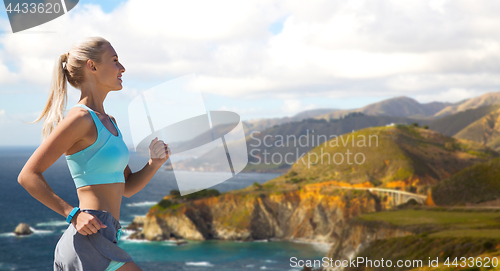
<point x="86" y="223"/>
<point x="158" y="152"/>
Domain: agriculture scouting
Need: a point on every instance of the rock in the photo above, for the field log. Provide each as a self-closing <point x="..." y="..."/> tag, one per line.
<point x="358" y="235"/>
<point x="177" y="241"/>
<point x="136" y="235"/>
<point x="137" y="223"/>
<point x="306" y="214"/>
<point x="181" y="242"/>
<point x="158" y="229"/>
<point x="23" y="229"/>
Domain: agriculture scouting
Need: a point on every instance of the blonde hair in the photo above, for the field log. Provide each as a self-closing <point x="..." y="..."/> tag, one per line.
<point x="75" y="60"/>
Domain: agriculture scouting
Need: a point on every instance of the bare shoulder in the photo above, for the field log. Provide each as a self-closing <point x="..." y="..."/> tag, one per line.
<point x="67" y="132"/>
<point x="78" y="118"/>
<point x="74" y="126"/>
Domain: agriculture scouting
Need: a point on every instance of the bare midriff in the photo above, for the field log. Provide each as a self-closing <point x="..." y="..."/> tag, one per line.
<point x="104" y="197"/>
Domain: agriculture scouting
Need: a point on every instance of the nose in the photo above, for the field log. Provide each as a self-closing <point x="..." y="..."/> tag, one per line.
<point x="122" y="69"/>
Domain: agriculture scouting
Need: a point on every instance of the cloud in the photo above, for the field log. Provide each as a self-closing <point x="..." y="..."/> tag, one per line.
<point x="19" y="133"/>
<point x="450" y="95"/>
<point x="4" y="119"/>
<point x="293" y="106"/>
<point x="328" y="48"/>
<point x="248" y="110"/>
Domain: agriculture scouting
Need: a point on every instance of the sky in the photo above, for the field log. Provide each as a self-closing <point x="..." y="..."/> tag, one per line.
<point x="264" y="58"/>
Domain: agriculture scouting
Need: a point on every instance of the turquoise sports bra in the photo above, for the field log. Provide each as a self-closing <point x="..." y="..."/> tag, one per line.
<point x="102" y="162"/>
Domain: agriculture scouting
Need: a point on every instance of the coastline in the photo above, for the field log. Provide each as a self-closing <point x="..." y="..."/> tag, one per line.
<point x="322" y="247"/>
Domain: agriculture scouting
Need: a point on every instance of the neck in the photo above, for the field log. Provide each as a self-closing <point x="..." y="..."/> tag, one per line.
<point x="93" y="97"/>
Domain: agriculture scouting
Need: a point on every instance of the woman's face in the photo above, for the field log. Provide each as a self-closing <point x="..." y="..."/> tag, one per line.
<point x="109" y="71"/>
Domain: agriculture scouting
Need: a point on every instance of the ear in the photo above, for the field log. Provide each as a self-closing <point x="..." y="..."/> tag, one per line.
<point x="91" y="65"/>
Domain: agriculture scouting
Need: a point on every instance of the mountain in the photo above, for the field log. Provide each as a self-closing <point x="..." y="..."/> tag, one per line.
<point x="311" y="113"/>
<point x="262" y="124"/>
<point x="402" y="154"/>
<point x="452" y="124"/>
<point x="483" y="100"/>
<point x="485" y="130"/>
<point x="401" y="106"/>
<point x="472" y="185"/>
<point x="311" y="132"/>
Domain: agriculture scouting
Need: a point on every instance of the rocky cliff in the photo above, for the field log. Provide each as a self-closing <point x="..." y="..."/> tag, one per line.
<point x="320" y="212"/>
<point x="315" y="212"/>
<point x="359" y="235"/>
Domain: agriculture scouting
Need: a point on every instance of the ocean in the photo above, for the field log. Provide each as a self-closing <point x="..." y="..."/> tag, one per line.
<point x="36" y="251"/>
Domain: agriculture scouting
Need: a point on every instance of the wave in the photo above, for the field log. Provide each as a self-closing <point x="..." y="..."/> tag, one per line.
<point x="7" y="234"/>
<point x="142" y="204"/>
<point x="53" y="223"/>
<point x="126" y="234"/>
<point x="199" y="263"/>
<point x="126" y="239"/>
<point x="35" y="231"/>
<point x="317" y="245"/>
<point x="170" y="244"/>
<point x="8" y="266"/>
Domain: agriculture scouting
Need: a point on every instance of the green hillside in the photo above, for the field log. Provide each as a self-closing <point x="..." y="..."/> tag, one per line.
<point x="438" y="233"/>
<point x="453" y="124"/>
<point x="309" y="133"/>
<point x="483" y="100"/>
<point x="485" y="130"/>
<point x="475" y="184"/>
<point x="416" y="156"/>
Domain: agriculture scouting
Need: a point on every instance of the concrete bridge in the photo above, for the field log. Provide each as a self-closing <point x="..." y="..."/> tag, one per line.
<point x="397" y="197"/>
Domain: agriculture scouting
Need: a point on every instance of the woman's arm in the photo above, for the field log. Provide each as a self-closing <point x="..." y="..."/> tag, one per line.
<point x="67" y="132"/>
<point x="64" y="135"/>
<point x="135" y="182"/>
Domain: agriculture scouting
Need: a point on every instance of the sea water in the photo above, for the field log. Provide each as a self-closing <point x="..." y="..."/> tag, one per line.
<point x="36" y="251"/>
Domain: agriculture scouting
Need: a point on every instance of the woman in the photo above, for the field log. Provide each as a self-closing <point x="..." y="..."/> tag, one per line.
<point x="97" y="158"/>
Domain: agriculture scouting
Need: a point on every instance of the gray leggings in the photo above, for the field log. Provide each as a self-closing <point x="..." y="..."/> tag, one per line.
<point x="77" y="252"/>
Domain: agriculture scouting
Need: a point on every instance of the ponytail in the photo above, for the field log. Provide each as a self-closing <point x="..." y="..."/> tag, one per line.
<point x="73" y="71"/>
<point x="58" y="96"/>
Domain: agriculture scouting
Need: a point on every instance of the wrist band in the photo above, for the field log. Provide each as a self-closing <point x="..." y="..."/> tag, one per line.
<point x="73" y="212"/>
